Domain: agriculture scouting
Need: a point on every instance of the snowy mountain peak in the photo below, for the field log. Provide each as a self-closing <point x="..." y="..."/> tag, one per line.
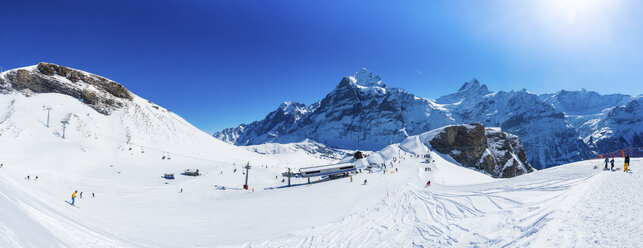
<point x="470" y="90"/>
<point x="474" y="86"/>
<point x="289" y="107"/>
<point x="365" y="78"/>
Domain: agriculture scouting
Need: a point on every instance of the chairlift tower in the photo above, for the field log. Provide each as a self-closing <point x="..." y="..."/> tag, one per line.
<point x="64" y="122"/>
<point x="247" y="167"/>
<point x="48" y="108"/>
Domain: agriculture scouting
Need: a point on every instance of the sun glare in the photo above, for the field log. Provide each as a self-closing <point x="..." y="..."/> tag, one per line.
<point x="576" y="20"/>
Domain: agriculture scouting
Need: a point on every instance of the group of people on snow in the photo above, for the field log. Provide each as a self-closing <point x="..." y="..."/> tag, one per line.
<point x="73" y="196"/>
<point x="626" y="164"/>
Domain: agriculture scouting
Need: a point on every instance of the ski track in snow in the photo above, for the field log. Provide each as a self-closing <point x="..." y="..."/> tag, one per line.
<point x="498" y="214"/>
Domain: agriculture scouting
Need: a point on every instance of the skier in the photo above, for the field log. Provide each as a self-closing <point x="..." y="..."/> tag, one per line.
<point x="627" y="163"/>
<point x="81" y="195"/>
<point x="607" y="160"/>
<point x="92" y="194"/>
<point x="428" y="183"/>
<point x="351" y="179"/>
<point x="612" y="162"/>
<point x="181" y="190"/>
<point x="365" y="181"/>
<point x="235" y="170"/>
<point x="36" y="178"/>
<point x="73" y="197"/>
<point x="27" y="177"/>
<point x="395" y="169"/>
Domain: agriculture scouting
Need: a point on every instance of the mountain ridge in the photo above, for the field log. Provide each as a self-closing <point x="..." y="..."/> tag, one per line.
<point x="363" y="113"/>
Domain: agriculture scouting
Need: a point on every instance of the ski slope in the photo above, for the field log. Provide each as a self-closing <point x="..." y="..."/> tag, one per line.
<point x="570" y="205"/>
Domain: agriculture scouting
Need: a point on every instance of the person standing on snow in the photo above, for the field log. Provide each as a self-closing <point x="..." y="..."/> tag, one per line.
<point x="612" y="162"/>
<point x="627" y="163"/>
<point x="428" y="183"/>
<point x="607" y="160"/>
<point x="73" y="197"/>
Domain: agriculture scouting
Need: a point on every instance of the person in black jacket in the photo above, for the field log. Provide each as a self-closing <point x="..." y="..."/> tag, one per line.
<point x="612" y="162"/>
<point x="627" y="163"/>
<point x="607" y="160"/>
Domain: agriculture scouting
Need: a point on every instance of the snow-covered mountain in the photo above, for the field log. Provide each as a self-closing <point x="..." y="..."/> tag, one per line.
<point x="363" y="113"/>
<point x="360" y="113"/>
<point x="103" y="117"/>
<point x="605" y="122"/>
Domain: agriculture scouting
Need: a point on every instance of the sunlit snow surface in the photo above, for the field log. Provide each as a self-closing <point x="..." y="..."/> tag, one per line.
<point x="565" y="206"/>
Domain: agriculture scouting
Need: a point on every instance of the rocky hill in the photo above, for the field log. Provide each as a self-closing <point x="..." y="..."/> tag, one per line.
<point x="489" y="150"/>
<point x="101" y="94"/>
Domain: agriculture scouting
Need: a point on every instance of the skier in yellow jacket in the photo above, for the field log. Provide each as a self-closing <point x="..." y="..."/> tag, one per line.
<point x="73" y="197"/>
<point x="626" y="168"/>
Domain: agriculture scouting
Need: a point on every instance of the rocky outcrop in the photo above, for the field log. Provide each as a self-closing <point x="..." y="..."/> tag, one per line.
<point x="510" y="157"/>
<point x="490" y="150"/>
<point x="100" y="93"/>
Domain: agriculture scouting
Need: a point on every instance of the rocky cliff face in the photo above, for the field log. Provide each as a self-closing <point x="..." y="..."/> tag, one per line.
<point x="495" y="152"/>
<point x="102" y="94"/>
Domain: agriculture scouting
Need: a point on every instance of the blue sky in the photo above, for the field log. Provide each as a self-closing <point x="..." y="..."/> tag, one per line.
<point x="221" y="63"/>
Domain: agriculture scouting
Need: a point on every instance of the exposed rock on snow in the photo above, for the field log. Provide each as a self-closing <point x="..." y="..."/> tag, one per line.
<point x="495" y="152"/>
<point x="101" y="94"/>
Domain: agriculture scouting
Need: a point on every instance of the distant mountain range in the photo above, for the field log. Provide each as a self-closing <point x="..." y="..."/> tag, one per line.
<point x="363" y="113"/>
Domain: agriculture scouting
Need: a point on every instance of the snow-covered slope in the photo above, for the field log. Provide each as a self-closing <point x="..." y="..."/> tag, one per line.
<point x="362" y="113"/>
<point x="306" y="147"/>
<point x="134" y="207"/>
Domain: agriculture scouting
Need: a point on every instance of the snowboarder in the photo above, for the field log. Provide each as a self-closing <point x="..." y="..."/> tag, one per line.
<point x="612" y="162"/>
<point x="626" y="168"/>
<point x="365" y="181"/>
<point x="73" y="197"/>
<point x="607" y="160"/>
<point x="428" y="183"/>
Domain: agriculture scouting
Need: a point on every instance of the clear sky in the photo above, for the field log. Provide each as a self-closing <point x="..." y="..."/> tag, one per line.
<point x="221" y="63"/>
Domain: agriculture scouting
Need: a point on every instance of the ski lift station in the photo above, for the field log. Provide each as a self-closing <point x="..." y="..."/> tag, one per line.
<point x="327" y="170"/>
<point x="332" y="171"/>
